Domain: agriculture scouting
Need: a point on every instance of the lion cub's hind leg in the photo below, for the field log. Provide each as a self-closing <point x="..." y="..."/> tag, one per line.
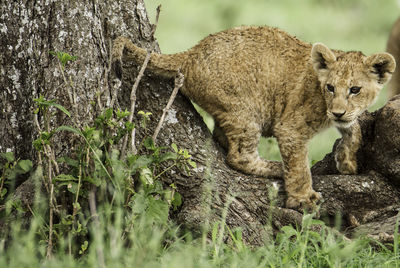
<point x="219" y="135"/>
<point x="243" y="151"/>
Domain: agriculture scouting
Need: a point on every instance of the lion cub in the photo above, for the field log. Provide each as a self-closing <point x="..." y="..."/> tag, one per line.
<point x="261" y="81"/>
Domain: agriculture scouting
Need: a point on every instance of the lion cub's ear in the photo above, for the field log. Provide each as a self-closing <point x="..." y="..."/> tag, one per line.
<point x="380" y="66"/>
<point x="321" y="56"/>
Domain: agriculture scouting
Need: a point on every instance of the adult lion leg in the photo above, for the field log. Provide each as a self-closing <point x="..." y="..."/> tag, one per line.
<point x="346" y="151"/>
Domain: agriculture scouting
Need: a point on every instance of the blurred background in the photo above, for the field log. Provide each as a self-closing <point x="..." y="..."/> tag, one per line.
<point x="362" y="25"/>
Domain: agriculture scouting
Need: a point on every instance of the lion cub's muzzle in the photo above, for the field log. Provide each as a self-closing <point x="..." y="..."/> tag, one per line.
<point x="338" y="115"/>
<point x="341" y="118"/>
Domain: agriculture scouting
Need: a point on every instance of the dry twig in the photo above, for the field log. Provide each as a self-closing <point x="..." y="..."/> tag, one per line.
<point x="154" y="26"/>
<point x="134" y="89"/>
<point x="133" y="103"/>
<point x="49" y="185"/>
<point x="178" y="84"/>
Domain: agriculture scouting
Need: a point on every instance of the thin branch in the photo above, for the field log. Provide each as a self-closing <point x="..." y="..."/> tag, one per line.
<point x="69" y="86"/>
<point x="36" y="121"/>
<point x="50" y="156"/>
<point x="51" y="160"/>
<point x="134" y="89"/>
<point x="70" y="95"/>
<point x="165" y="170"/>
<point x="154" y="26"/>
<point x="133" y="101"/>
<point x="46" y="148"/>
<point x="178" y="84"/>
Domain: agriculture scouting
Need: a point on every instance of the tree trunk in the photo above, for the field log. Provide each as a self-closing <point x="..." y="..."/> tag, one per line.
<point x="29" y="30"/>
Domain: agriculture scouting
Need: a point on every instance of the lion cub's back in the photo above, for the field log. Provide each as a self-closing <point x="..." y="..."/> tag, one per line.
<point x="243" y="65"/>
<point x="245" y="46"/>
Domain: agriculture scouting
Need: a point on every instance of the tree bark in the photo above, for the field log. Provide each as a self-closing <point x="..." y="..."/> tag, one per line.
<point x="213" y="191"/>
<point x="29" y="31"/>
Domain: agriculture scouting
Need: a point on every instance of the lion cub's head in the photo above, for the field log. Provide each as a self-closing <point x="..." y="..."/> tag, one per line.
<point x="350" y="82"/>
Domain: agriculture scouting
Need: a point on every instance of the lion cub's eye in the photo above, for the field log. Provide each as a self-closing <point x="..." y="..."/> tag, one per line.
<point x="330" y="88"/>
<point x="355" y="90"/>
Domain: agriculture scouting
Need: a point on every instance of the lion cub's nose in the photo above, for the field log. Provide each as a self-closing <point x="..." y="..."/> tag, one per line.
<point x="338" y="115"/>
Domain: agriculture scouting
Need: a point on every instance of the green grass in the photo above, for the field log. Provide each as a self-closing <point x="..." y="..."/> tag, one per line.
<point x="162" y="245"/>
<point x="340" y="24"/>
<point x="133" y="228"/>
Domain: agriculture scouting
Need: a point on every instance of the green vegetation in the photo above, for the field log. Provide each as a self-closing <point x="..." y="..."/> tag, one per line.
<point x="143" y="237"/>
<point x="88" y="211"/>
<point x="340" y="24"/>
<point x="130" y="227"/>
<point x="65" y="222"/>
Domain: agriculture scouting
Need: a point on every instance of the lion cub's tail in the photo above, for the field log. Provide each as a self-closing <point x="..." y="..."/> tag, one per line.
<point x="161" y="64"/>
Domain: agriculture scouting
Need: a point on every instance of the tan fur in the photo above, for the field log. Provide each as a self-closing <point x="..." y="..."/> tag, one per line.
<point x="393" y="47"/>
<point x="261" y="81"/>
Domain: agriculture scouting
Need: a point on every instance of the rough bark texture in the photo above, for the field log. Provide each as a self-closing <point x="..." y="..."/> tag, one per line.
<point x="30" y="29"/>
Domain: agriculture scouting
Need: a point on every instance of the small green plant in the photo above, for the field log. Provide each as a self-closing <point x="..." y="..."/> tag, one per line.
<point x="10" y="169"/>
<point x="145" y="118"/>
<point x="63" y="57"/>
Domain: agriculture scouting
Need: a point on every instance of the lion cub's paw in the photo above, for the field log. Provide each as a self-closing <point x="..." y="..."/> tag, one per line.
<point x="347" y="167"/>
<point x="346" y="163"/>
<point x="308" y="203"/>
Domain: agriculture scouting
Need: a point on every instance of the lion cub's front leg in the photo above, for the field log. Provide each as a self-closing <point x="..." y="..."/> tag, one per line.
<point x="345" y="156"/>
<point x="297" y="175"/>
